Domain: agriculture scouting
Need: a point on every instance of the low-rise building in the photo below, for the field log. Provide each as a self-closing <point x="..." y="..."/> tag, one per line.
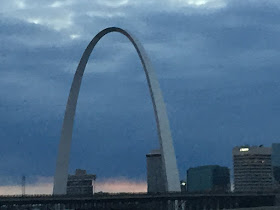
<point x="208" y="179"/>
<point x="80" y="183"/>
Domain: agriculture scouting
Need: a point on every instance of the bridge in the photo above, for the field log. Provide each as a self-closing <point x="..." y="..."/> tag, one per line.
<point x="158" y="201"/>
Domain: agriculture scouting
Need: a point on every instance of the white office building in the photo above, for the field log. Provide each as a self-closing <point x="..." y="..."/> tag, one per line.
<point x="252" y="169"/>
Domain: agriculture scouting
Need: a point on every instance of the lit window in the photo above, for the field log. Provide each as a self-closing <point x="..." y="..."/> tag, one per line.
<point x="245" y="149"/>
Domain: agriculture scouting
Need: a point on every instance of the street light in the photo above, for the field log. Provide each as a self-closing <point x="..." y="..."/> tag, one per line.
<point x="183" y="185"/>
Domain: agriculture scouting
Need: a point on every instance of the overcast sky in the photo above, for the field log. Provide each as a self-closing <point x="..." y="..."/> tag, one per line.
<point x="217" y="62"/>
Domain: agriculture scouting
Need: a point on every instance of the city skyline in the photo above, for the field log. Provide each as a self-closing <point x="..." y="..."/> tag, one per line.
<point x="217" y="66"/>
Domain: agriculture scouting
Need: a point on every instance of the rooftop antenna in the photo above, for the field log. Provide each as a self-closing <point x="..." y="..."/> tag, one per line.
<point x="23" y="179"/>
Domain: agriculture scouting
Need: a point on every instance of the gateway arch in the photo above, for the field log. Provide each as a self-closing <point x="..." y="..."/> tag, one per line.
<point x="170" y="170"/>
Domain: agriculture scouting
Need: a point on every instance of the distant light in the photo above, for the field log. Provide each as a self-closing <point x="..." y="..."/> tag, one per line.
<point x="183" y="183"/>
<point x="244" y="149"/>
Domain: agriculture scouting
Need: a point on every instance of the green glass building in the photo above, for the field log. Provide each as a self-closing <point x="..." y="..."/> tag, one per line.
<point x="211" y="178"/>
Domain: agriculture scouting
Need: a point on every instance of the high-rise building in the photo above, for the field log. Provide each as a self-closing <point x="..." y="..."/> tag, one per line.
<point x="252" y="169"/>
<point x="80" y="183"/>
<point x="275" y="162"/>
<point x="208" y="179"/>
<point x="155" y="179"/>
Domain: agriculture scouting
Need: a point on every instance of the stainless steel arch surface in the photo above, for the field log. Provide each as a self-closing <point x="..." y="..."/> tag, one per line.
<point x="170" y="169"/>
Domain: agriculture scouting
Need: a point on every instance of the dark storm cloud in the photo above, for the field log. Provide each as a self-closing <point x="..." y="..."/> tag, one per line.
<point x="218" y="69"/>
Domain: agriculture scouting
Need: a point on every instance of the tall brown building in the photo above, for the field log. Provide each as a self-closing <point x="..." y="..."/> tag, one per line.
<point x="252" y="169"/>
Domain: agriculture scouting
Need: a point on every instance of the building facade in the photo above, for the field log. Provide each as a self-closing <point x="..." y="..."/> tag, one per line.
<point x="211" y="178"/>
<point x="80" y="183"/>
<point x="275" y="162"/>
<point x="252" y="169"/>
<point x="155" y="179"/>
